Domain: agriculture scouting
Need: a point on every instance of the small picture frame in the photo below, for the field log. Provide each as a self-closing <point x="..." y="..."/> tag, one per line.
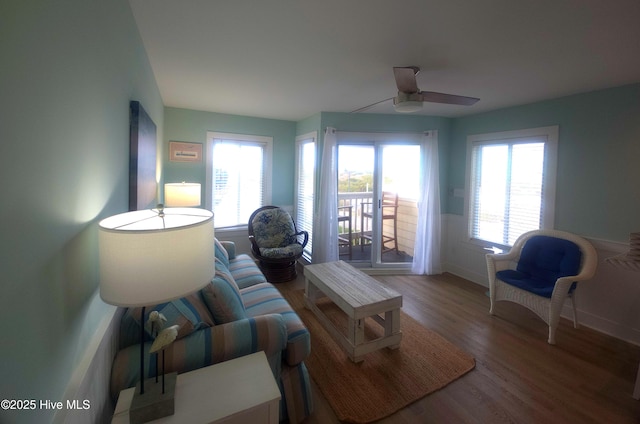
<point x="180" y="151"/>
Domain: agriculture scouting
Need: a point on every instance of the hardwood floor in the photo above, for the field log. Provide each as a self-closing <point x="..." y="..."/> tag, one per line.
<point x="587" y="377"/>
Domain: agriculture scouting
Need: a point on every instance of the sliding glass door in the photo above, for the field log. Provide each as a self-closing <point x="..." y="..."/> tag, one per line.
<point x="378" y="187"/>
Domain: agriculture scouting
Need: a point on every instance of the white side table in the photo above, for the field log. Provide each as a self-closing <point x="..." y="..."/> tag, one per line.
<point x="627" y="262"/>
<point x="240" y="391"/>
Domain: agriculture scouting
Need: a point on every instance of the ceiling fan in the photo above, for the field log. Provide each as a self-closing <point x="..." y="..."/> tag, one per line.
<point x="410" y="98"/>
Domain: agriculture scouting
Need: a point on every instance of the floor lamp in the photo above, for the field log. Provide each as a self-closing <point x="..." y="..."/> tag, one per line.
<point x="149" y="257"/>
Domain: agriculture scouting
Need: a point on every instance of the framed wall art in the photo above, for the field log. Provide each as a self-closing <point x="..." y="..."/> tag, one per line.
<point x="142" y="158"/>
<point x="180" y="151"/>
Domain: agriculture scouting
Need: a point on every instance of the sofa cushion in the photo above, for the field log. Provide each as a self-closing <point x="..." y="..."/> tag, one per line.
<point x="245" y="271"/>
<point x="222" y="296"/>
<point x="221" y="253"/>
<point x="189" y="312"/>
<point x="206" y="347"/>
<point x="264" y="298"/>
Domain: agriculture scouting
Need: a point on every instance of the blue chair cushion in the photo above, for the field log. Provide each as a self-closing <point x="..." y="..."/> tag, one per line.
<point x="543" y="260"/>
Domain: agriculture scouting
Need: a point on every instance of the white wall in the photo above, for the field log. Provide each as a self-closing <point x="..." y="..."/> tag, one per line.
<point x="607" y="303"/>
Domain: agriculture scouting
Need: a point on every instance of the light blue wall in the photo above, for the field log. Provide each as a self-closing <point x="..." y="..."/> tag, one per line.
<point x="192" y="126"/>
<point x="310" y="124"/>
<point x="597" y="191"/>
<point x="69" y="70"/>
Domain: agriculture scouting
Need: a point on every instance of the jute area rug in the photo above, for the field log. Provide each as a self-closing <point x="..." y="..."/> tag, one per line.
<point x="387" y="380"/>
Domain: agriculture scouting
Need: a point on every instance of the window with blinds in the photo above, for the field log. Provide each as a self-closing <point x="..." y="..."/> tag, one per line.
<point x="305" y="186"/>
<point x="512" y="185"/>
<point x="239" y="177"/>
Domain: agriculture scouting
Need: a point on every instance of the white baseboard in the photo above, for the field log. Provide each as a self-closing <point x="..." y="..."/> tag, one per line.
<point x="88" y="388"/>
<point x="474" y="277"/>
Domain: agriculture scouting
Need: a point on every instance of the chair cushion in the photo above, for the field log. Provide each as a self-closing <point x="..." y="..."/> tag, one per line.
<point x="525" y="282"/>
<point x="281" y="252"/>
<point x="273" y="228"/>
<point x="542" y="261"/>
<point x="223" y="298"/>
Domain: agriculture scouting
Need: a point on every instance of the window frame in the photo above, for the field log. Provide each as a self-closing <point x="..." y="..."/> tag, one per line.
<point x="548" y="135"/>
<point x="301" y="140"/>
<point x="265" y="142"/>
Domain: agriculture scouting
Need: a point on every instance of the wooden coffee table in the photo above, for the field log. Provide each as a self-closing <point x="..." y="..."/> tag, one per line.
<point x="359" y="296"/>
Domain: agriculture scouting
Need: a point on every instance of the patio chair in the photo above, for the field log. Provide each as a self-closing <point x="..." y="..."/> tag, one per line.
<point x="275" y="243"/>
<point x="540" y="271"/>
<point x="345" y="239"/>
<point x="389" y="209"/>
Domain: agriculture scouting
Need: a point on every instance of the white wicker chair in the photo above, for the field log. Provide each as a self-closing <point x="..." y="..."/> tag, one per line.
<point x="548" y="309"/>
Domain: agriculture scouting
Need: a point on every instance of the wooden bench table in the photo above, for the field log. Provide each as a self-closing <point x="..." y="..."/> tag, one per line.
<point x="359" y="296"/>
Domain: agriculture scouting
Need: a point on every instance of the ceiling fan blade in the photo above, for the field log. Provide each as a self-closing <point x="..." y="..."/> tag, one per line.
<point x="362" y="109"/>
<point x="406" y="78"/>
<point x="452" y="99"/>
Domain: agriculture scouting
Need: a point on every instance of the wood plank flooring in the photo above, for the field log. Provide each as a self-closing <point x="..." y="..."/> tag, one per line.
<point x="587" y="377"/>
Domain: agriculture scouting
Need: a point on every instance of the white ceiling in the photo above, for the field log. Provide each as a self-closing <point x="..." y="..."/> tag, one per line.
<point x="290" y="59"/>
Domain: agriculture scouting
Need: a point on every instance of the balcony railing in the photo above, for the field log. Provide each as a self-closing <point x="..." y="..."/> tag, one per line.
<point x="407" y="219"/>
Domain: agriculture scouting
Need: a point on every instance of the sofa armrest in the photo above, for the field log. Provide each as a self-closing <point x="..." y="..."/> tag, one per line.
<point x="206" y="347"/>
<point x="230" y="247"/>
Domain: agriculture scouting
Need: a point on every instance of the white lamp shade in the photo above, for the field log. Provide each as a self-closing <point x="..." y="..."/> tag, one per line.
<point x="146" y="259"/>
<point x="182" y="194"/>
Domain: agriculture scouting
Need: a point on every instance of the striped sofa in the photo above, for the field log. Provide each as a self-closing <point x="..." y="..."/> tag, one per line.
<point x="237" y="314"/>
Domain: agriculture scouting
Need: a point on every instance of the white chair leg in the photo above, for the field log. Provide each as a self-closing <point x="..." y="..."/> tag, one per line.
<point x="492" y="299"/>
<point x="552" y="335"/>
<point x="575" y="311"/>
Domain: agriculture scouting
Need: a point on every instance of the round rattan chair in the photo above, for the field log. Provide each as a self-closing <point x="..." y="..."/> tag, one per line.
<point x="275" y="243"/>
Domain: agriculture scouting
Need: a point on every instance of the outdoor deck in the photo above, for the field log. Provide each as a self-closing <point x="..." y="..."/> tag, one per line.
<point x="407" y="218"/>
<point x="364" y="255"/>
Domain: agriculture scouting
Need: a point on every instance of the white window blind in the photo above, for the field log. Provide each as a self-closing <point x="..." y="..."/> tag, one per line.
<point x="305" y="187"/>
<point x="512" y="187"/>
<point x="239" y="178"/>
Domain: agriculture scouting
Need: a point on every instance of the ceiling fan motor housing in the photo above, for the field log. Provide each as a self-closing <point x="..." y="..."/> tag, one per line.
<point x="407" y="102"/>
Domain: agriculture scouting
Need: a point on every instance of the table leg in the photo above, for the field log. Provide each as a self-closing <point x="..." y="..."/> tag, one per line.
<point x="355" y="336"/>
<point x="392" y="325"/>
<point x="636" y="390"/>
<point x="355" y="331"/>
<point x="311" y="292"/>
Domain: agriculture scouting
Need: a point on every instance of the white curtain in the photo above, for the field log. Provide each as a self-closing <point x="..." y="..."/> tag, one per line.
<point x="325" y="227"/>
<point x="426" y="256"/>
